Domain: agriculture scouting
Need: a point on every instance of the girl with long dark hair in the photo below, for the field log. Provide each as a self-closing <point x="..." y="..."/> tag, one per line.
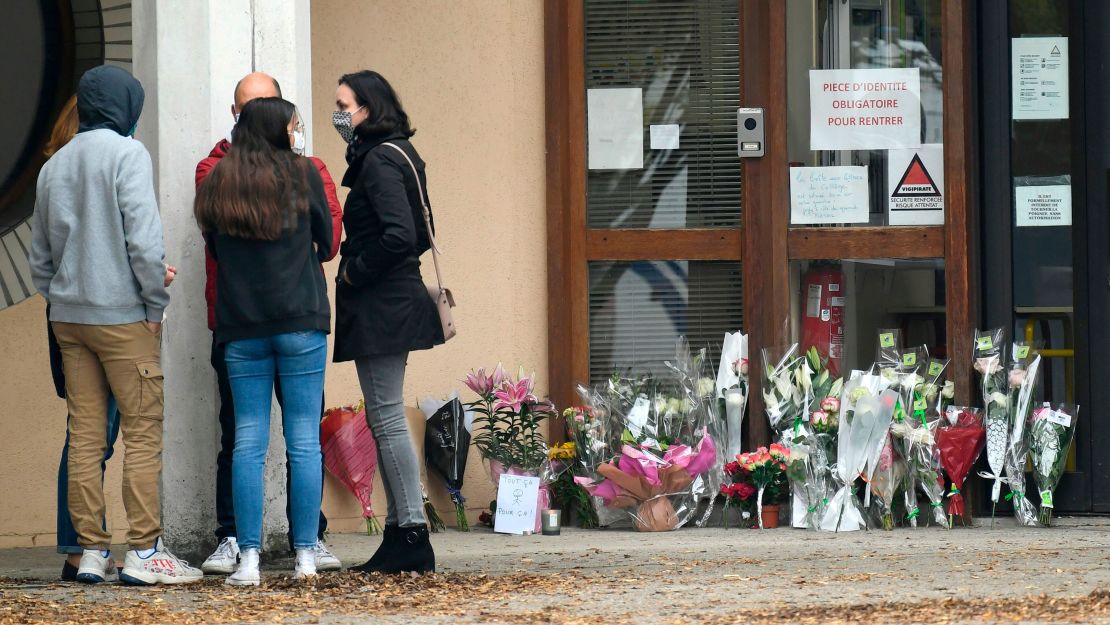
<point x="382" y="308"/>
<point x="265" y="218"/>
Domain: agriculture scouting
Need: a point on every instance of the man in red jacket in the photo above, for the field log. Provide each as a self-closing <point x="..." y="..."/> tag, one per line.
<point x="226" y="556"/>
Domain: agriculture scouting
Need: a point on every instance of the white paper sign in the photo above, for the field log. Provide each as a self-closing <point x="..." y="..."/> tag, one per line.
<point x="864" y="109"/>
<point x="615" y="128"/>
<point x="664" y="136"/>
<point x="517" y="498"/>
<point x="1058" y="417"/>
<point x="1043" y="206"/>
<point x="828" y="195"/>
<point x="1039" y="82"/>
<point x="915" y="186"/>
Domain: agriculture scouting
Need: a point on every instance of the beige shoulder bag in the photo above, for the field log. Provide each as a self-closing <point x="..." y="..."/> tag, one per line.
<point x="440" y="294"/>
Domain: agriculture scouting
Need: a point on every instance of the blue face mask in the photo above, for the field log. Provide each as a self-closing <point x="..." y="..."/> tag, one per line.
<point x="131" y="133"/>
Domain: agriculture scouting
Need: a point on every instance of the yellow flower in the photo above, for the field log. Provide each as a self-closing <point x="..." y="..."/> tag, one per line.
<point x="562" y="451"/>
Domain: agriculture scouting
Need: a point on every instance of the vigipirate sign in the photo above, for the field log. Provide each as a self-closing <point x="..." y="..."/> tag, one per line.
<point x="865" y="109"/>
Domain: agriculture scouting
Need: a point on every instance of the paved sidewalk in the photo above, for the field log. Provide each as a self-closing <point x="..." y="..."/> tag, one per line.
<point x="1007" y="574"/>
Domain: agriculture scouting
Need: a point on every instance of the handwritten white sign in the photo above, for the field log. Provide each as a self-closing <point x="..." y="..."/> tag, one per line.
<point x="517" y="498"/>
<point x="828" y="195"/>
<point x="864" y="109"/>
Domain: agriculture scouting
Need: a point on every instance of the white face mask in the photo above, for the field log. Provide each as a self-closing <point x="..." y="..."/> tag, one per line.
<point x="298" y="141"/>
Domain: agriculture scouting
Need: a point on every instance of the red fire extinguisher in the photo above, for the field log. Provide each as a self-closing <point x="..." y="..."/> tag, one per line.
<point x="823" y="316"/>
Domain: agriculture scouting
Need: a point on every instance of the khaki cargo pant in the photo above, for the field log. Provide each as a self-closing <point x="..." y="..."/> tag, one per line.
<point x="127" y="360"/>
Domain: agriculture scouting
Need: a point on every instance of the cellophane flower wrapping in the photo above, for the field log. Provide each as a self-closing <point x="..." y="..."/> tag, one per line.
<point x="351" y="455"/>
<point x="732" y="391"/>
<point x="960" y="440"/>
<point x="908" y="415"/>
<point x="815" y="440"/>
<point x="990" y="367"/>
<point x="867" y="408"/>
<point x="1052" y="434"/>
<point x="785" y="380"/>
<point x="1022" y="378"/>
<point x="887" y="477"/>
<point x="665" y="457"/>
<point x="447" y="447"/>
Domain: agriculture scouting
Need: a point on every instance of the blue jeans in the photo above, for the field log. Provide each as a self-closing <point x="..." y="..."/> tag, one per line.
<point x="299" y="359"/>
<point x="67" y="535"/>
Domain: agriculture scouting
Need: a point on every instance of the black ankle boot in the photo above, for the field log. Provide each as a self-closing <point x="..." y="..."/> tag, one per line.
<point x="412" y="554"/>
<point x="384" y="552"/>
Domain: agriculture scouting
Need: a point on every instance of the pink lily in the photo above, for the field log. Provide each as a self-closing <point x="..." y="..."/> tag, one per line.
<point x="515" y="395"/>
<point x="480" y="383"/>
<point x="498" y="377"/>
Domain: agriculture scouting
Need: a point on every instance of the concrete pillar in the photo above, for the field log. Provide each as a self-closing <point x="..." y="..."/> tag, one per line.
<point x="189" y="57"/>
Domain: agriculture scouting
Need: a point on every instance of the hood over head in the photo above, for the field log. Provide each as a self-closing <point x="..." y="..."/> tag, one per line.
<point x="109" y="97"/>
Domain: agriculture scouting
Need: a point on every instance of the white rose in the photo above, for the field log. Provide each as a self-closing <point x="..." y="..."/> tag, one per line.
<point x="1001" y="399"/>
<point x="949" y="390"/>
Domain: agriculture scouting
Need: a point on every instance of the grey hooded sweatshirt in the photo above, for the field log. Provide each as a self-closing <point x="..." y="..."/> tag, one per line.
<point x="96" y="247"/>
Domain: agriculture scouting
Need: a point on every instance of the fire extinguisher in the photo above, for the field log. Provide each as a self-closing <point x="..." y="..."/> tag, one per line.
<point x="823" y="317"/>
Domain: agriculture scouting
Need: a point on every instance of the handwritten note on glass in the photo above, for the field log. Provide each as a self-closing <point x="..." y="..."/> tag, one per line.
<point x="828" y="195"/>
<point x="517" y="498"/>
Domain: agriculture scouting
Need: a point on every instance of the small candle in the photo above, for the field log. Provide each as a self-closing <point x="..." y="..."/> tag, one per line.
<point x="550" y="523"/>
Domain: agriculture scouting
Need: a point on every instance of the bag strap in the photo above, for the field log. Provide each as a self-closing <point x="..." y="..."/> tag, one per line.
<point x="427" y="214"/>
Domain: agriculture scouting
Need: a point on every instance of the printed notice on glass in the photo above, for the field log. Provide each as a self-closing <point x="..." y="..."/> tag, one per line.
<point x="615" y="128"/>
<point x="1048" y="205"/>
<point x="864" y="109"/>
<point x="828" y="195"/>
<point x="517" y="498"/>
<point x="664" y="136"/>
<point x="915" y="184"/>
<point x="1040" y="77"/>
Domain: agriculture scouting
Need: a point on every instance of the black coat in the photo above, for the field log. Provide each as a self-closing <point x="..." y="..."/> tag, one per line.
<point x="385" y="308"/>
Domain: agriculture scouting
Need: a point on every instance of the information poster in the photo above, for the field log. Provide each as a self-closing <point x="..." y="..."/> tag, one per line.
<point x="864" y="109"/>
<point x="915" y="186"/>
<point x="1040" y="77"/>
<point x="615" y="128"/>
<point x="828" y="195"/>
<point x="1048" y="205"/>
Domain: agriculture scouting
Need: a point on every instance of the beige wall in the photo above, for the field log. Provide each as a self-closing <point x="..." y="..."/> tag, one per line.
<point x="471" y="77"/>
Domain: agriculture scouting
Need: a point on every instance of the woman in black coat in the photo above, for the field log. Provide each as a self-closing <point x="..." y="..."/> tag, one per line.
<point x="382" y="308"/>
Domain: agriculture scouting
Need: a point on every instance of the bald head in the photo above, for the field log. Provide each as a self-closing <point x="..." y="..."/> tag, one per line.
<point x="256" y="85"/>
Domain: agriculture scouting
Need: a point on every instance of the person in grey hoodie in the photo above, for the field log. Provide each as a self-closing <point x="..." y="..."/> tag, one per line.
<point x="97" y="257"/>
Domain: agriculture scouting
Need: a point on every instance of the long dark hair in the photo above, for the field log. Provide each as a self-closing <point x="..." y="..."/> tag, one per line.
<point x="384" y="114"/>
<point x="260" y="187"/>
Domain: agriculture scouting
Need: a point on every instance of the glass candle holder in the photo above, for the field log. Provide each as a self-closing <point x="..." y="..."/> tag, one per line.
<point x="551" y="521"/>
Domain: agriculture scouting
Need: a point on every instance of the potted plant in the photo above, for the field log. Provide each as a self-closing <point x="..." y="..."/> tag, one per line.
<point x="758" y="479"/>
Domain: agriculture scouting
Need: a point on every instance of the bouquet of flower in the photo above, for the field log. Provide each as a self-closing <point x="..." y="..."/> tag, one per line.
<point x="931" y="398"/>
<point x="351" y="455"/>
<point x="663" y="455"/>
<point x="1024" y="374"/>
<point x="917" y="443"/>
<point x="813" y="440"/>
<point x="565" y="492"/>
<point x="732" y="389"/>
<point x="868" y="409"/>
<point x="509" y="420"/>
<point x="786" y="387"/>
<point x="1053" y="432"/>
<point x="909" y="414"/>
<point x="888" y="475"/>
<point x="990" y="365"/>
<point x="447" y="446"/>
<point x="761" y="473"/>
<point x="960" y="441"/>
<point x="643" y="481"/>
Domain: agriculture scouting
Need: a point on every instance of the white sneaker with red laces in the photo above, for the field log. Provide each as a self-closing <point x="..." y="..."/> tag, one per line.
<point x="158" y="567"/>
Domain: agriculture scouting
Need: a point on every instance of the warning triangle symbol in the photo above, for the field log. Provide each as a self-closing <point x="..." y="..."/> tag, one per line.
<point x="916" y="182"/>
<point x="1055" y="50"/>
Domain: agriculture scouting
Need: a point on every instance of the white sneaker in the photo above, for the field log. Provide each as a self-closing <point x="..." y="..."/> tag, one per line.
<point x="161" y="567"/>
<point x="96" y="568"/>
<point x="247" y="574"/>
<point x="306" y="563"/>
<point x="223" y="559"/>
<point x="325" y="559"/>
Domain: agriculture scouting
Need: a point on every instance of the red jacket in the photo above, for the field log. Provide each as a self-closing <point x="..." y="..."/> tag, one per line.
<point x="206" y="165"/>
